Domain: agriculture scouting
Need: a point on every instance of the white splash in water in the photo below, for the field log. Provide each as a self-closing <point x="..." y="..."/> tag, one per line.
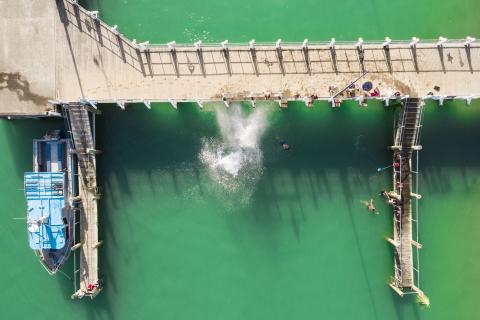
<point x="235" y="160"/>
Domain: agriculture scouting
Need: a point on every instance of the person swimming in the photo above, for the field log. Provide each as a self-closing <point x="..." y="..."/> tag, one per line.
<point x="370" y="206"/>
<point x="284" y="145"/>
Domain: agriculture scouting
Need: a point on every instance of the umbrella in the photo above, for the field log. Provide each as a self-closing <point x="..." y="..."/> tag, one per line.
<point x="367" y="86"/>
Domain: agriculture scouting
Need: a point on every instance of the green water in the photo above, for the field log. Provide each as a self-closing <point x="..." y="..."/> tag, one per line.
<point x="292" y="243"/>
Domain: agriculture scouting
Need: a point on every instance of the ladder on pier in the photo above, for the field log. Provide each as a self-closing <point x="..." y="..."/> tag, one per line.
<point x="406" y="277"/>
<point x="81" y="128"/>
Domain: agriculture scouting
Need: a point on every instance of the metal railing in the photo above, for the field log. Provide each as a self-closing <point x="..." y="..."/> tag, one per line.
<point x="278" y="44"/>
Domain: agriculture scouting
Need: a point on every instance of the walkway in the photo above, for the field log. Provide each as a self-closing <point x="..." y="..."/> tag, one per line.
<point x="82" y="57"/>
<point x="83" y="141"/>
<point x="406" y="267"/>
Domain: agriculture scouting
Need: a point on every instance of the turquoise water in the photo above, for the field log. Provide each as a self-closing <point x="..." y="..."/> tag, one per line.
<point x="161" y="21"/>
<point x="288" y="238"/>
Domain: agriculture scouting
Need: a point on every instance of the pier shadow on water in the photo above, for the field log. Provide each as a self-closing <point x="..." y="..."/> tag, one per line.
<point x="301" y="226"/>
<point x="334" y="156"/>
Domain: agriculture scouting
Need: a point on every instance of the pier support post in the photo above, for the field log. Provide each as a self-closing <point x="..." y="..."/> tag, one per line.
<point x="415" y="196"/>
<point x="441" y="41"/>
<point x="120" y="103"/>
<point x="307" y="101"/>
<point x="91" y="103"/>
<point x="305" y="44"/>
<point x="332" y="44"/>
<point x="93" y="14"/>
<point x="393" y="194"/>
<point x="416" y="244"/>
<point x="395" y="244"/>
<point x="413" y="43"/>
<point x="359" y="44"/>
<point x="440" y="100"/>
<point x="225" y="101"/>
<point x="224" y="45"/>
<point x="253" y="101"/>
<point x="468" y="41"/>
<point x="279" y="99"/>
<point x="386" y="43"/>
<point x="172" y="45"/>
<point x="386" y="101"/>
<point x="251" y="45"/>
<point x="396" y="289"/>
<point x="98" y="244"/>
<point x="147" y="104"/>
<point x="468" y="100"/>
<point x="198" y="45"/>
<point x="144" y="46"/>
<point x="114" y="29"/>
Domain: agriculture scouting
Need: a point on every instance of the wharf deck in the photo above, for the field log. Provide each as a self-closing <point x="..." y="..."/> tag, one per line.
<point x="88" y="191"/>
<point x="79" y="56"/>
<point x="407" y="135"/>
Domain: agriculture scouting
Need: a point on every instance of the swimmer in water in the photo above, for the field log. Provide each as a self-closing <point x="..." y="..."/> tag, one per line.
<point x="370" y="206"/>
<point x="284" y="145"/>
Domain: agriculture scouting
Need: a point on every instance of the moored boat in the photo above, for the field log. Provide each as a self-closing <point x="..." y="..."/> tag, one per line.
<point x="48" y="191"/>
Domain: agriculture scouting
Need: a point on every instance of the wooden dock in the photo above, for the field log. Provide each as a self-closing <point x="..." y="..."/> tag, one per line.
<point x="406" y="271"/>
<point x="84" y="144"/>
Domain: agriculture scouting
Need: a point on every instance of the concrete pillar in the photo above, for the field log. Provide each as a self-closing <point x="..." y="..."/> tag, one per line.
<point x="278" y="44"/>
<point x="98" y="244"/>
<point x="305" y="44"/>
<point x="120" y="103"/>
<point x="144" y="46"/>
<point x="198" y="45"/>
<point x="224" y="45"/>
<point x="147" y="104"/>
<point x="469" y="100"/>
<point x="468" y="41"/>
<point x="332" y="44"/>
<point x="172" y="45"/>
<point x="395" y="244"/>
<point x="441" y="41"/>
<point x="93" y="14"/>
<point x="386" y="43"/>
<point x="225" y="101"/>
<point x="359" y="44"/>
<point x="414" y="42"/>
<point x="114" y="29"/>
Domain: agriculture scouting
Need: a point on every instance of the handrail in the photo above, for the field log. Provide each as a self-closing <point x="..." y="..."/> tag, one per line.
<point x="288" y="44"/>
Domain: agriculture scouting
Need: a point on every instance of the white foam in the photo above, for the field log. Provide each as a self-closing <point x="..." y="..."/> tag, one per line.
<point x="234" y="160"/>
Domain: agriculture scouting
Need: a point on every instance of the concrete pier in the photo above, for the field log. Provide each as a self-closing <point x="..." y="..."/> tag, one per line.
<point x="68" y="54"/>
<point x="84" y="144"/>
<point x="406" y="273"/>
